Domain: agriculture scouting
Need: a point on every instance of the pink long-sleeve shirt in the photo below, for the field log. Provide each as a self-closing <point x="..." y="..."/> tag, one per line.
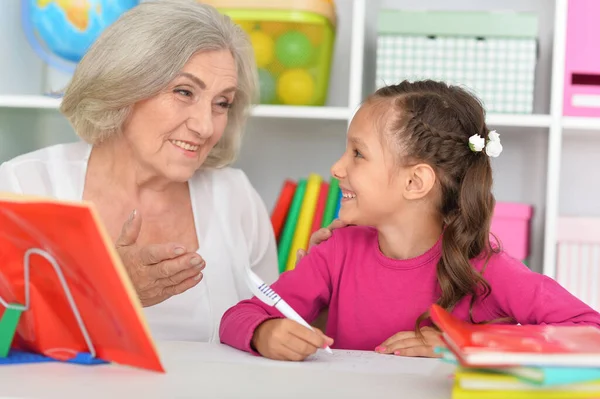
<point x="371" y="297"/>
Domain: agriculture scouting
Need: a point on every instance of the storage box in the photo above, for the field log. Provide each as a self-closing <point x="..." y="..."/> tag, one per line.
<point x="493" y="54"/>
<point x="582" y="60"/>
<point x="511" y="226"/>
<point x="293" y="44"/>
<point x="578" y="258"/>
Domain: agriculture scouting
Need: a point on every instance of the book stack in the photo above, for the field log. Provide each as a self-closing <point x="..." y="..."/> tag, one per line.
<point x="512" y="361"/>
<point x="303" y="207"/>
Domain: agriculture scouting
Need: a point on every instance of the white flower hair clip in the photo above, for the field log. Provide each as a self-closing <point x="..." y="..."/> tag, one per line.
<point x="493" y="147"/>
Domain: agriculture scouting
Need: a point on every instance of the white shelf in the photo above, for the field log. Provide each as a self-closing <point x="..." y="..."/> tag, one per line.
<point x="29" y="102"/>
<point x="580" y="123"/>
<point x="260" y="111"/>
<point x="519" y="120"/>
<point x="300" y="112"/>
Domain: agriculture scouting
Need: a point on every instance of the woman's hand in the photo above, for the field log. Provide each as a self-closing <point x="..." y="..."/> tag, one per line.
<point x="407" y="343"/>
<point x="285" y="339"/>
<point x="157" y="271"/>
<point x="319" y="236"/>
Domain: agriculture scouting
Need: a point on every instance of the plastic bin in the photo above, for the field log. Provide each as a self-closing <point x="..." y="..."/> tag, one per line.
<point x="582" y="60"/>
<point x="511" y="225"/>
<point x="293" y="44"/>
<point x="493" y="54"/>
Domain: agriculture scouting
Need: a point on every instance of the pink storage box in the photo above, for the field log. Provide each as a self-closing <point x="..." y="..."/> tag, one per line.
<point x="582" y="61"/>
<point x="510" y="225"/>
<point x="578" y="258"/>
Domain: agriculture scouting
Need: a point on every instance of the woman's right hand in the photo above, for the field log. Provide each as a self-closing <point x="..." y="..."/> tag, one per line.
<point x="285" y="339"/>
<point x="323" y="234"/>
<point x="157" y="271"/>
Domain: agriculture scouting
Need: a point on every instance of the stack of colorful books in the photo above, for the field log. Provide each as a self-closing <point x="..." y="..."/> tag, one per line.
<point x="497" y="361"/>
<point x="303" y="207"/>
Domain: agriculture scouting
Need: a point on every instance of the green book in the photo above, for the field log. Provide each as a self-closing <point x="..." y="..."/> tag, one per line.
<point x="287" y="235"/>
<point x="8" y="327"/>
<point x="332" y="199"/>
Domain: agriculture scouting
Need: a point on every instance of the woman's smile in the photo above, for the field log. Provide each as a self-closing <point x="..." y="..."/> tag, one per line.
<point x="188" y="148"/>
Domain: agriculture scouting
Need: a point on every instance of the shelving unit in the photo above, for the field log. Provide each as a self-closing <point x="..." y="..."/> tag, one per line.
<point x="284" y="142"/>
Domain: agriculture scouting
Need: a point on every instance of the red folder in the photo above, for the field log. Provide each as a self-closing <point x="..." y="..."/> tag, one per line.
<point x="78" y="291"/>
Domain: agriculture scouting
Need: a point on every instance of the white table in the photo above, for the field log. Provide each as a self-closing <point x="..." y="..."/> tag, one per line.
<point x="216" y="371"/>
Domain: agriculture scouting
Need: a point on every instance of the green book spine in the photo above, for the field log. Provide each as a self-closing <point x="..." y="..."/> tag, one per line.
<point x="287" y="234"/>
<point x="332" y="198"/>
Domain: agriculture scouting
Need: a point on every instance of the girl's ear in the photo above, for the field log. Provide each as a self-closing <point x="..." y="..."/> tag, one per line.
<point x="420" y="181"/>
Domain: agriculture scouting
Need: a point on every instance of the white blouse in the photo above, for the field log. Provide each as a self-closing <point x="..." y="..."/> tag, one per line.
<point x="233" y="226"/>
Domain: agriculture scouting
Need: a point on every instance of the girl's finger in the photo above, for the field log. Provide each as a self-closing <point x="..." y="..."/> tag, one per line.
<point x="403" y="344"/>
<point x="417" y="351"/>
<point x="297" y="350"/>
<point x="396" y="337"/>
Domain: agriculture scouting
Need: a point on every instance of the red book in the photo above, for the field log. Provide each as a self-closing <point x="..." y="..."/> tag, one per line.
<point x="280" y="211"/>
<point x="320" y="209"/>
<point x="58" y="261"/>
<point x="493" y="345"/>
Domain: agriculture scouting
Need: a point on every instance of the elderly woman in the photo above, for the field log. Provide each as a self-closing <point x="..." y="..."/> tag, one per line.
<point x="160" y="101"/>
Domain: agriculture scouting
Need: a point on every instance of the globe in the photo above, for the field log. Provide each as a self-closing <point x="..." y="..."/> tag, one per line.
<point x="65" y="29"/>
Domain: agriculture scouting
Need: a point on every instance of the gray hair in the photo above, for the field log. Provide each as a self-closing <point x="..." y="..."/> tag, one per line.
<point x="139" y="54"/>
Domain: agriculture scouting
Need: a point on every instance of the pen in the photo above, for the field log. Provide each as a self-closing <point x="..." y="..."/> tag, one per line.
<point x="267" y="295"/>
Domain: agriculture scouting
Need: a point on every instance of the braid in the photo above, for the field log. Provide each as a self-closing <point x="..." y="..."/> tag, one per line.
<point x="436" y="143"/>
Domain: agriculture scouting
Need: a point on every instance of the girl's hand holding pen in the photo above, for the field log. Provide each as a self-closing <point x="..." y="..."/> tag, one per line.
<point x="285" y="339"/>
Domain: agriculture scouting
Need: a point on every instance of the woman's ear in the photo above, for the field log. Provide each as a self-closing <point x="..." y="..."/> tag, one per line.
<point x="420" y="181"/>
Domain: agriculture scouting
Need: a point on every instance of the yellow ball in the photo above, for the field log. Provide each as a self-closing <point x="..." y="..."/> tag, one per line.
<point x="295" y="87"/>
<point x="264" y="48"/>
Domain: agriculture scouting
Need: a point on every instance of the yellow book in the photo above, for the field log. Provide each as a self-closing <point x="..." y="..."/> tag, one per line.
<point x="459" y="393"/>
<point x="472" y="384"/>
<point x="305" y="219"/>
<point x="483" y="379"/>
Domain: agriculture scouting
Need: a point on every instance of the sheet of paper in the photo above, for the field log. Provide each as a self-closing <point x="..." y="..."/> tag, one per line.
<point x="371" y="362"/>
<point x="341" y="360"/>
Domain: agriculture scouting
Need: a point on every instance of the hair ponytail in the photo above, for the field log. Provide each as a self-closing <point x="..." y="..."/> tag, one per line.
<point x="466" y="236"/>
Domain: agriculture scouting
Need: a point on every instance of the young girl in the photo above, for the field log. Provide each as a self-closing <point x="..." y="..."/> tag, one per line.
<point x="417" y="189"/>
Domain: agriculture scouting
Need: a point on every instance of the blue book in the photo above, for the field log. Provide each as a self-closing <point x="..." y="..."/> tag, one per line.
<point x="554" y="375"/>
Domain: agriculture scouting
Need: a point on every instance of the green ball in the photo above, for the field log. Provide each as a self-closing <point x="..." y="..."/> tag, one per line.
<point x="267" y="86"/>
<point x="293" y="49"/>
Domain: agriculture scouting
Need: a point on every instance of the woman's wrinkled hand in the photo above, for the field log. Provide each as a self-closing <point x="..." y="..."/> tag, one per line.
<point x="157" y="271"/>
